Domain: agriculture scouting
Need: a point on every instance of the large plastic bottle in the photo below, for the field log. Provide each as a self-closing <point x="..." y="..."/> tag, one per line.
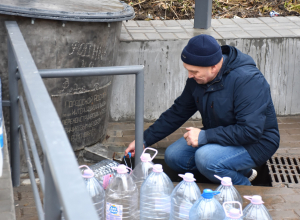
<point x="1" y="132"/>
<point x="144" y="168"/>
<point x="256" y="210"/>
<point x="228" y="193"/>
<point x="207" y="207"/>
<point x="95" y="190"/>
<point x="155" y="196"/>
<point x="233" y="214"/>
<point x="121" y="196"/>
<point x="183" y="197"/>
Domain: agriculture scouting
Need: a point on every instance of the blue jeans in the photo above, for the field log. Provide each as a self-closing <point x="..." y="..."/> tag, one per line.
<point x="210" y="160"/>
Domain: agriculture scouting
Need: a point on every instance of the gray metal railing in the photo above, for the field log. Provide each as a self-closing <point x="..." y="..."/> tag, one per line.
<point x="61" y="181"/>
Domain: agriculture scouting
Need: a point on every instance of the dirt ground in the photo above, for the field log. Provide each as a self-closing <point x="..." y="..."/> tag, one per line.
<point x="185" y="9"/>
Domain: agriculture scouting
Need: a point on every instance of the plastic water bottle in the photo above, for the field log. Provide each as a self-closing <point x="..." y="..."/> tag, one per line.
<point x="155" y="196"/>
<point x="122" y="196"/>
<point x="207" y="207"/>
<point x="183" y="197"/>
<point x="103" y="168"/>
<point x="144" y="168"/>
<point x="256" y="210"/>
<point x="233" y="214"/>
<point x="228" y="193"/>
<point x="95" y="190"/>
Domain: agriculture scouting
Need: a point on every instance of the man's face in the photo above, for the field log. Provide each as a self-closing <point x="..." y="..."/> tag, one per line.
<point x="202" y="75"/>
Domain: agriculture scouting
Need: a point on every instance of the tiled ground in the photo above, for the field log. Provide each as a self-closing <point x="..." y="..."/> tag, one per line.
<point x="263" y="27"/>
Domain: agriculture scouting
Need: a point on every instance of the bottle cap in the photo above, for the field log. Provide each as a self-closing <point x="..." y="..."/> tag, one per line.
<point x="122" y="169"/>
<point x="157" y="168"/>
<point x="225" y="181"/>
<point x="209" y="194"/>
<point x="256" y="199"/>
<point x="188" y="177"/>
<point x="87" y="173"/>
<point x="146" y="157"/>
<point x="234" y="213"/>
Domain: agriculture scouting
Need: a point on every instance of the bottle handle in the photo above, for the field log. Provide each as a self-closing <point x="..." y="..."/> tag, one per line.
<point x="226" y="213"/>
<point x="248" y="197"/>
<point x="129" y="169"/>
<point x="84" y="166"/>
<point x="218" y="177"/>
<point x="149" y="148"/>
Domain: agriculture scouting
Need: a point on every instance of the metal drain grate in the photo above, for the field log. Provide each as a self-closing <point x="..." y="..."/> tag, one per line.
<point x="284" y="170"/>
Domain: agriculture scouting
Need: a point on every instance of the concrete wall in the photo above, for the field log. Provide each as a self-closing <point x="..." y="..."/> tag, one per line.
<point x="277" y="58"/>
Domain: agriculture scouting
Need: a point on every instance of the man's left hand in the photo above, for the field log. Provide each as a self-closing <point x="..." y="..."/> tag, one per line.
<point x="191" y="136"/>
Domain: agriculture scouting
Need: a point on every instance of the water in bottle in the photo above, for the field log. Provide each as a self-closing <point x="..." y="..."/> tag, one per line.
<point x="183" y="197"/>
<point x="122" y="196"/>
<point x="155" y="196"/>
<point x="207" y="207"/>
<point x="233" y="214"/>
<point x="228" y="193"/>
<point x="256" y="210"/>
<point x="95" y="190"/>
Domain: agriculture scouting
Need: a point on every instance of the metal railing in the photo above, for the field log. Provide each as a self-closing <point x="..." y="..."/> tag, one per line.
<point x="61" y="181"/>
<point x="202" y="17"/>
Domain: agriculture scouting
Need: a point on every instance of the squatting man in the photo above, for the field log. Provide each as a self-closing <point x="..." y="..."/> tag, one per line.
<point x="240" y="129"/>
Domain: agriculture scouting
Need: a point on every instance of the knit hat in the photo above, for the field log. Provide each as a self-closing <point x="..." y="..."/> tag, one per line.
<point x="202" y="50"/>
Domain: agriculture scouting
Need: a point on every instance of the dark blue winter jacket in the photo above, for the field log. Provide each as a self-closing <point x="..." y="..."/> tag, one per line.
<point x="236" y="109"/>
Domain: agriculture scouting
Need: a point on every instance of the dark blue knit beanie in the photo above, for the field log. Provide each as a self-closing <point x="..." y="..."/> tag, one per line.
<point x="202" y="50"/>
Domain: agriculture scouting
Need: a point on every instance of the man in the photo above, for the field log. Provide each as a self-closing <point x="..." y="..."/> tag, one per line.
<point x="240" y="125"/>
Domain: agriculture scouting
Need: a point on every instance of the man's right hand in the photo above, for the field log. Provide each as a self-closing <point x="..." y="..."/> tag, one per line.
<point x="131" y="149"/>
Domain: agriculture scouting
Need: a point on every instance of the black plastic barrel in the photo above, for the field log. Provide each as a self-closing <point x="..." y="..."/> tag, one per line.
<point x="71" y="34"/>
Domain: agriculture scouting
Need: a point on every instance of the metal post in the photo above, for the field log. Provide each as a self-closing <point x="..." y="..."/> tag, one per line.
<point x="51" y="201"/>
<point x="139" y="115"/>
<point x="203" y="10"/>
<point x="14" y="116"/>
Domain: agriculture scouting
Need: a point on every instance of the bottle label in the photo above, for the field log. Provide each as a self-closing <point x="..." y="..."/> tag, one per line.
<point x="113" y="211"/>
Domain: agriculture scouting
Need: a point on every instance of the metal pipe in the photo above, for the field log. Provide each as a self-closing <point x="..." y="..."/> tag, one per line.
<point x="32" y="145"/>
<point x="14" y="116"/>
<point x="203" y="10"/>
<point x="35" y="190"/>
<point x="95" y="71"/>
<point x="139" y="115"/>
<point x="51" y="201"/>
<point x="6" y="103"/>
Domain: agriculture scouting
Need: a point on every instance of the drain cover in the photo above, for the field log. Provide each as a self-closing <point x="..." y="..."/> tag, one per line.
<point x="285" y="170"/>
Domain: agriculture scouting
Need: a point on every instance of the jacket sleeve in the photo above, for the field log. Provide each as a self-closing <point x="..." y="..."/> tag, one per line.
<point x="251" y="96"/>
<point x="169" y="121"/>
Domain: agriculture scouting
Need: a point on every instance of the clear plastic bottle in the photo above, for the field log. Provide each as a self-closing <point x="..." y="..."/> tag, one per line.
<point x="155" y="196"/>
<point x="95" y="190"/>
<point x="183" y="197"/>
<point x="256" y="210"/>
<point x="207" y="207"/>
<point x="228" y="193"/>
<point x="143" y="170"/>
<point x="233" y="214"/>
<point x="1" y="132"/>
<point x="122" y="196"/>
<point x="104" y="168"/>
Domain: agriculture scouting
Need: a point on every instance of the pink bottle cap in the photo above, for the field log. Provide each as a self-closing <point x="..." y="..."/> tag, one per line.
<point x="157" y="168"/>
<point x="225" y="181"/>
<point x="188" y="177"/>
<point x="257" y="200"/>
<point x="87" y="173"/>
<point x="122" y="169"/>
<point x="145" y="157"/>
<point x="234" y="213"/>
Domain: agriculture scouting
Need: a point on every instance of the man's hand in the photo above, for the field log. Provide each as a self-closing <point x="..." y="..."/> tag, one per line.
<point x="191" y="136"/>
<point x="131" y="149"/>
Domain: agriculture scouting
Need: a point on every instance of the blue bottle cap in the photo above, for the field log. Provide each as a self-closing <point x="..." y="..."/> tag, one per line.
<point x="209" y="194"/>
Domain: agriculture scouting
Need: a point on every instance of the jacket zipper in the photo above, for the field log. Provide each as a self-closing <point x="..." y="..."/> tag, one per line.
<point x="214" y="113"/>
